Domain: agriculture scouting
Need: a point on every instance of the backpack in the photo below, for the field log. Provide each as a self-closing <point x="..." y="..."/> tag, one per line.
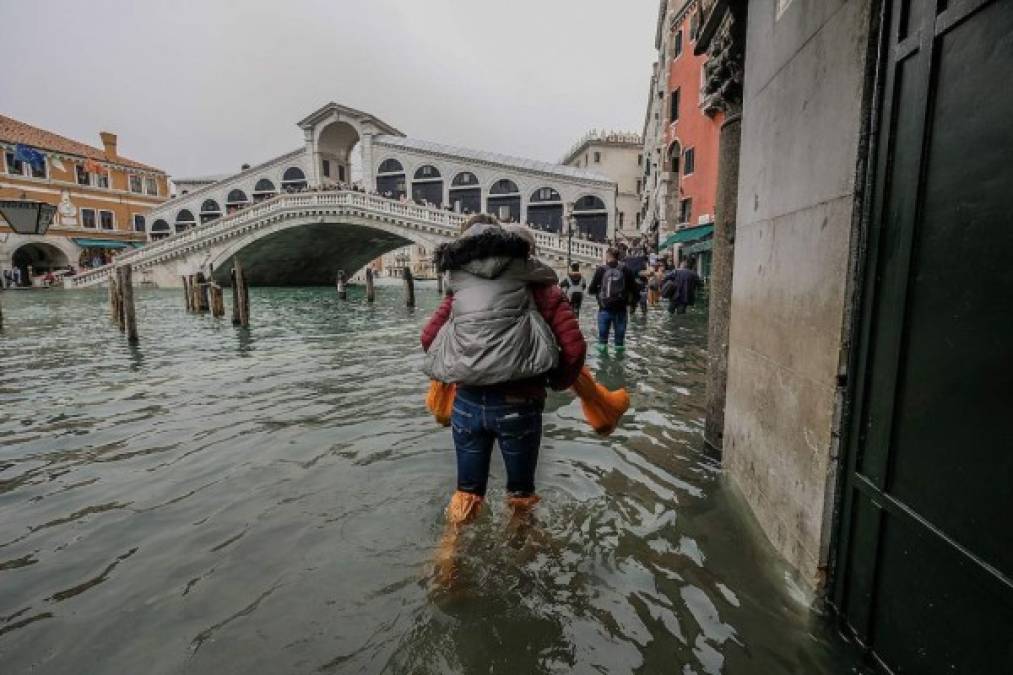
<point x="574" y="289"/>
<point x="668" y="289"/>
<point x="613" y="287"/>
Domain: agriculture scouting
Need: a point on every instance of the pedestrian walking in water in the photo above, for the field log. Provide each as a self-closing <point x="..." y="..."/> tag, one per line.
<point x="680" y="287"/>
<point x="503" y="333"/>
<point x="615" y="287"/>
<point x="574" y="285"/>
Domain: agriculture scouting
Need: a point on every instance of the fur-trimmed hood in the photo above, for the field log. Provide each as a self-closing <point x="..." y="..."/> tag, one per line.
<point x="482" y="243"/>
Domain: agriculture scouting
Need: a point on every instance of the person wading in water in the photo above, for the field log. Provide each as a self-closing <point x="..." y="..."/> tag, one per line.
<point x="503" y="333"/>
<point x="574" y="286"/>
<point x="616" y="288"/>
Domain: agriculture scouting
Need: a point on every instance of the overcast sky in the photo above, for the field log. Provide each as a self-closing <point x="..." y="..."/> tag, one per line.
<point x="199" y="87"/>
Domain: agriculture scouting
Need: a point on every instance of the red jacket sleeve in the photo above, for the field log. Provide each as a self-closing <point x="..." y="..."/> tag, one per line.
<point x="436" y="322"/>
<point x="554" y="308"/>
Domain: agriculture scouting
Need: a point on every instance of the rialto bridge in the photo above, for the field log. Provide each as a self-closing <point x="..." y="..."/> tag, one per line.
<point x="295" y="219"/>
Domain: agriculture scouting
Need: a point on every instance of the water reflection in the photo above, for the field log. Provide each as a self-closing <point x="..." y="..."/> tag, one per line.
<point x="268" y="500"/>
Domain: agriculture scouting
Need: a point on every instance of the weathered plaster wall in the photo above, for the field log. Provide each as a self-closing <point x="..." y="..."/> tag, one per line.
<point x="802" y="119"/>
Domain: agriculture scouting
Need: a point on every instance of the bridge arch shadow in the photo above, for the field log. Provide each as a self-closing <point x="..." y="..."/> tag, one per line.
<point x="310" y="251"/>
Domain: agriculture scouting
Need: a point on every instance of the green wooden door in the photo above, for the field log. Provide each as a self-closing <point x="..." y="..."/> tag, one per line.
<point x="924" y="567"/>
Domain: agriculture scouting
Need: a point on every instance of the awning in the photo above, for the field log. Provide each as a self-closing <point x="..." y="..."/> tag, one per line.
<point x="138" y="244"/>
<point x="101" y="243"/>
<point x="699" y="247"/>
<point x="687" y="234"/>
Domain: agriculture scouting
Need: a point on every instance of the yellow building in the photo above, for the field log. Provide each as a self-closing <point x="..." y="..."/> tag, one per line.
<point x="102" y="200"/>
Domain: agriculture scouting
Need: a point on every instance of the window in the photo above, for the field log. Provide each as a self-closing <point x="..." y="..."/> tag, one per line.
<point x="88" y="218"/>
<point x="503" y="212"/>
<point x="102" y="180"/>
<point x="622" y="217"/>
<point x="38" y="171"/>
<point x="106" y="220"/>
<point x="138" y="223"/>
<point x="135" y="183"/>
<point x="638" y="219"/>
<point x="685" y="209"/>
<point x="638" y="186"/>
<point x="673" y="113"/>
<point x="597" y="158"/>
<point x="327" y="168"/>
<point x="677" y="44"/>
<point x="15" y="167"/>
<point x="150" y="186"/>
<point x="688" y="162"/>
<point x="640" y="160"/>
<point x="293" y="179"/>
<point x="82" y="175"/>
<point x="341" y="172"/>
<point x="674" y="153"/>
<point x="694" y="26"/>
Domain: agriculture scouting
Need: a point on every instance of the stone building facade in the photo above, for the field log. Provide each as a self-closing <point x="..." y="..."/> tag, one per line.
<point x="681" y="128"/>
<point x="103" y="199"/>
<point x="618" y="155"/>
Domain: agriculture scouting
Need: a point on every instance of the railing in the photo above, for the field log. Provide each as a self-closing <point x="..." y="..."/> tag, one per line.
<point x="448" y="221"/>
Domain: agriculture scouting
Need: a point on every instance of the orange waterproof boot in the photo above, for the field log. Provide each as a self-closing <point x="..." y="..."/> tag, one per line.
<point x="440" y="401"/>
<point x="602" y="408"/>
<point x="464" y="508"/>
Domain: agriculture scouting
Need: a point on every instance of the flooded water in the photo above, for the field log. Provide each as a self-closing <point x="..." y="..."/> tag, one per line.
<point x="268" y="501"/>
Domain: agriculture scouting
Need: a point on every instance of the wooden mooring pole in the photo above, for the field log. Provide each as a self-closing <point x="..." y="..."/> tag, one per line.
<point x="439" y="283"/>
<point x="409" y="287"/>
<point x="217" y="300"/>
<point x="342" y="284"/>
<point x="201" y="293"/>
<point x="186" y="293"/>
<point x="240" y="297"/>
<point x="114" y="296"/>
<point x="370" y="288"/>
<point x="129" y="313"/>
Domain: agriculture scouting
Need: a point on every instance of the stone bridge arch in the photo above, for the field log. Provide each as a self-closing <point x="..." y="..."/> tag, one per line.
<point x="308" y="250"/>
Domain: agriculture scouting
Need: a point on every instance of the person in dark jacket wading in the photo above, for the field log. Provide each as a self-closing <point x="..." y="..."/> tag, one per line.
<point x="503" y="333"/>
<point x="616" y="288"/>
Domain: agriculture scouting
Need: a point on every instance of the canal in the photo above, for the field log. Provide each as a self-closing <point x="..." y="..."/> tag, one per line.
<point x="227" y="501"/>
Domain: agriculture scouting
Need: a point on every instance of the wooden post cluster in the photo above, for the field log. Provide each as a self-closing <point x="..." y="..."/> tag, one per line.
<point x="370" y="288"/>
<point x="240" y="297"/>
<point x="121" y="301"/>
<point x="187" y="292"/>
<point x="200" y="293"/>
<point x="128" y="315"/>
<point x="409" y="287"/>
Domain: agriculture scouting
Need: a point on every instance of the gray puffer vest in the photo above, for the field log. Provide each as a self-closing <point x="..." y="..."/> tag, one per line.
<point x="495" y="333"/>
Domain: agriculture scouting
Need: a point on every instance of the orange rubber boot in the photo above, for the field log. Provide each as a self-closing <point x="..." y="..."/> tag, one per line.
<point x="464" y="508"/>
<point x="602" y="408"/>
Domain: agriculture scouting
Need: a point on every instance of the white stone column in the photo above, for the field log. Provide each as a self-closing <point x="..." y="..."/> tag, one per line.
<point x="314" y="159"/>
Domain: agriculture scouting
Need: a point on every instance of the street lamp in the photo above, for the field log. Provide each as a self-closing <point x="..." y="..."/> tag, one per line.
<point x="27" y="217"/>
<point x="568" y="215"/>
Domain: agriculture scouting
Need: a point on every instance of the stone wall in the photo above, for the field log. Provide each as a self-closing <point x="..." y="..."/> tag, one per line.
<point x="805" y="84"/>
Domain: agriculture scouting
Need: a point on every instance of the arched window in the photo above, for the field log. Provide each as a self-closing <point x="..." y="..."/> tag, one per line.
<point x="465" y="193"/>
<point x="293" y="179"/>
<point x="235" y="201"/>
<point x="184" y="220"/>
<point x="264" y="189"/>
<point x="504" y="186"/>
<point x="427" y="172"/>
<point x="464" y="178"/>
<point x="591" y="218"/>
<point x="427" y="187"/>
<point x="674" y="152"/>
<point x="390" y="166"/>
<point x="545" y="210"/>
<point x="505" y="201"/>
<point x="390" y="179"/>
<point x="159" y="229"/>
<point x="209" y="210"/>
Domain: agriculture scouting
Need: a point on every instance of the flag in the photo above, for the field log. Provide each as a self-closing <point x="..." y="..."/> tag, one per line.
<point x="92" y="166"/>
<point x="57" y="163"/>
<point x="27" y="153"/>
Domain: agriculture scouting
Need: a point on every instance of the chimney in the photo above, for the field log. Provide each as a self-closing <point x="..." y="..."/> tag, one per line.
<point x="244" y="167"/>
<point x="109" y="141"/>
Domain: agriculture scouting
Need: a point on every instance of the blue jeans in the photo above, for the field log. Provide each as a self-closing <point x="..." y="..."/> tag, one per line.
<point x="608" y="318"/>
<point x="481" y="417"/>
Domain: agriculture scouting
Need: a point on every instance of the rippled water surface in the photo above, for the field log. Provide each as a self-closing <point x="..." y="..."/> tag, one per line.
<point x="227" y="501"/>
